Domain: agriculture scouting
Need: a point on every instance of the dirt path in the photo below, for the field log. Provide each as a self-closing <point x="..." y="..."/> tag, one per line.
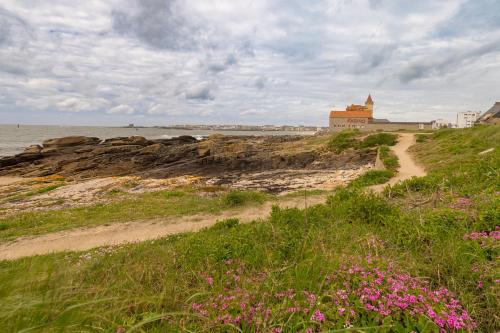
<point x="85" y="239"/>
<point x="408" y="168"/>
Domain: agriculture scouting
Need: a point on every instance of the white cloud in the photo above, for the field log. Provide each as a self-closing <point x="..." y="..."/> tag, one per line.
<point x="248" y="61"/>
<point x="121" y="109"/>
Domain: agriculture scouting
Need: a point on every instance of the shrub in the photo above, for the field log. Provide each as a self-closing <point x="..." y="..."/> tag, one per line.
<point x="226" y="224"/>
<point x="343" y="140"/>
<point x="379" y="139"/>
<point x="237" y="198"/>
<point x="389" y="159"/>
<point x="372" y="177"/>
<point x="422" y="137"/>
<point x="425" y="184"/>
<point x="355" y="205"/>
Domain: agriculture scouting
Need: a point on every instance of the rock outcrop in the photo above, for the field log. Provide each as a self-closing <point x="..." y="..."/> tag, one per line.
<point x="217" y="156"/>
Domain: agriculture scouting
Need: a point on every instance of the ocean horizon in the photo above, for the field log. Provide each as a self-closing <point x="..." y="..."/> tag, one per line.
<point x="14" y="139"/>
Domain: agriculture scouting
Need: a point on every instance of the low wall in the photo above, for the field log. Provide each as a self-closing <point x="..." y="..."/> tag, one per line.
<point x="386" y="127"/>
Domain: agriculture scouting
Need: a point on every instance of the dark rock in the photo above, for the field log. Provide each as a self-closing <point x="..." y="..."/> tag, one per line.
<point x="116" y="149"/>
<point x="156" y="148"/>
<point x="126" y="141"/>
<point x="82" y="157"/>
<point x="183" y="139"/>
<point x="33" y="149"/>
<point x="70" y="141"/>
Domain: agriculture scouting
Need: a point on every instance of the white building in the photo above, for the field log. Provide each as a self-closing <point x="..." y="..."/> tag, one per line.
<point x="439" y="123"/>
<point x="467" y="119"/>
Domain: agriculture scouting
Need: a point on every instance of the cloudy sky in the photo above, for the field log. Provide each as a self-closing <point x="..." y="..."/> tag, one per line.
<point x="157" y="62"/>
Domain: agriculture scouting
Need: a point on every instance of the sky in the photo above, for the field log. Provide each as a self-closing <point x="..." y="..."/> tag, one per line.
<point x="163" y="62"/>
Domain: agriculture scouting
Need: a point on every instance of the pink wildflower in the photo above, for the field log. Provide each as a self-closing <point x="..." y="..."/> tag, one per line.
<point x="318" y="316"/>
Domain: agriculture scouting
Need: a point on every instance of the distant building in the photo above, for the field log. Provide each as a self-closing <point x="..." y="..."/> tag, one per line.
<point x="361" y="117"/>
<point x="131" y="125"/>
<point x="467" y="119"/>
<point x="492" y="116"/>
<point x="439" y="123"/>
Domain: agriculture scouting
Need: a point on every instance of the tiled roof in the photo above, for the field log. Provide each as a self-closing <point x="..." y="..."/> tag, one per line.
<point x="350" y="114"/>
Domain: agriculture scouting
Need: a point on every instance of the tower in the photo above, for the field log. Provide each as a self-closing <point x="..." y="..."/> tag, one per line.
<point x="369" y="104"/>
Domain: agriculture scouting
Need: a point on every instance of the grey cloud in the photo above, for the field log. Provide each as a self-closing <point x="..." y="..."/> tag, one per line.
<point x="304" y="28"/>
<point x="429" y="67"/>
<point x="218" y="67"/>
<point x="375" y="4"/>
<point x="15" y="34"/>
<point x="12" y="68"/>
<point x="261" y="82"/>
<point x="201" y="91"/>
<point x="473" y="15"/>
<point x="13" y="29"/>
<point x="373" y="56"/>
<point x="158" y="23"/>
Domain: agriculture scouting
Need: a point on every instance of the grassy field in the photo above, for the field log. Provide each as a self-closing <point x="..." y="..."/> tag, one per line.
<point x="423" y="257"/>
<point x="145" y="206"/>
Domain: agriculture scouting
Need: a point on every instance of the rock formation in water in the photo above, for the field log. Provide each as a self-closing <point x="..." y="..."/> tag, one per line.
<point x="85" y="157"/>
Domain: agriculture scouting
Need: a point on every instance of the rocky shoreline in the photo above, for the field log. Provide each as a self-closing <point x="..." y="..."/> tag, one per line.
<point x="271" y="163"/>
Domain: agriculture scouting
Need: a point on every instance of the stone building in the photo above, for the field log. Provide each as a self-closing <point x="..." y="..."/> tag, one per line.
<point x="361" y="117"/>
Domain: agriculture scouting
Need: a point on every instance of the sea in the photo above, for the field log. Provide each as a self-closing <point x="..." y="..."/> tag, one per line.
<point x="14" y="139"/>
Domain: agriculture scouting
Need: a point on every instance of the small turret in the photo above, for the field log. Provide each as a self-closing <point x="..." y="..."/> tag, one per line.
<point x="369" y="105"/>
<point x="369" y="100"/>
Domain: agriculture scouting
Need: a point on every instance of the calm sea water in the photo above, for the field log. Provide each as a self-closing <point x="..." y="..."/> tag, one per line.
<point x="13" y="139"/>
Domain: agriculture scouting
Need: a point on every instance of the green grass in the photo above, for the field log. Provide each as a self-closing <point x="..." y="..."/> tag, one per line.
<point x="379" y="139"/>
<point x="141" y="207"/>
<point x="151" y="286"/>
<point x="373" y="177"/>
<point x="42" y="190"/>
<point x="388" y="158"/>
<point x="349" y="139"/>
<point x="343" y="140"/>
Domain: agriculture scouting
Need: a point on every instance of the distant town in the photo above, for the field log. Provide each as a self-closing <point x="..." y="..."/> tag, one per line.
<point x="263" y="128"/>
<point x="358" y="117"/>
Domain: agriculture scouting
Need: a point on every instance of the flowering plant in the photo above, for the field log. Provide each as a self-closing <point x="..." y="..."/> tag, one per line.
<point x="370" y="295"/>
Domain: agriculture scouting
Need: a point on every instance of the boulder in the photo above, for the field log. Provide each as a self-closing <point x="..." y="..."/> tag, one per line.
<point x="71" y="141"/>
<point x="156" y="148"/>
<point x="183" y="139"/>
<point x="33" y="149"/>
<point x="203" y="152"/>
<point x="125" y="141"/>
<point x="116" y="149"/>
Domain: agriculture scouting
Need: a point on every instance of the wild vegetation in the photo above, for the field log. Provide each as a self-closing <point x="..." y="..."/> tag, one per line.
<point x="421" y="258"/>
<point x="389" y="160"/>
<point x="183" y="201"/>
<point x="351" y="139"/>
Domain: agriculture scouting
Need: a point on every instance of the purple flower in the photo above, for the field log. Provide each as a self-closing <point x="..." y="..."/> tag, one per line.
<point x="318" y="316"/>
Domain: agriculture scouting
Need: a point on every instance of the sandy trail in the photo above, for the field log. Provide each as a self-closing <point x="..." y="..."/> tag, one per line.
<point x="85" y="239"/>
<point x="408" y="168"/>
<point x="9" y="180"/>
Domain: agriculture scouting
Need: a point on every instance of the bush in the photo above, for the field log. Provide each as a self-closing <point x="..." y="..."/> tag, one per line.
<point x="238" y="198"/>
<point x="354" y="205"/>
<point x="389" y="159"/>
<point x="425" y="185"/>
<point x="343" y="140"/>
<point x="372" y="177"/>
<point x="422" y="137"/>
<point x="225" y="224"/>
<point x="379" y="139"/>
